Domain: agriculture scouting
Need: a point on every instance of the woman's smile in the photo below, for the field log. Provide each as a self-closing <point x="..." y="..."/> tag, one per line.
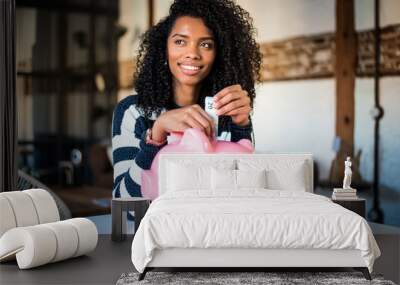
<point x="189" y="69"/>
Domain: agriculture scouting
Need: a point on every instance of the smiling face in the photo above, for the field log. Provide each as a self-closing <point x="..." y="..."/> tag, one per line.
<point x="191" y="51"/>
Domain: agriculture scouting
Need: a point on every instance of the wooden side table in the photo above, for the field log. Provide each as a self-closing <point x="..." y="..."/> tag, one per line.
<point x="356" y="205"/>
<point x="119" y="208"/>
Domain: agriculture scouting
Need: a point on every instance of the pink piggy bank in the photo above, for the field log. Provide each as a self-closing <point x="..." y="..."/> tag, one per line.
<point x="193" y="141"/>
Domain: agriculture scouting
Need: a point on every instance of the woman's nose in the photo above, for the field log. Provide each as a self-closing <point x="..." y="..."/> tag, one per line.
<point x="193" y="51"/>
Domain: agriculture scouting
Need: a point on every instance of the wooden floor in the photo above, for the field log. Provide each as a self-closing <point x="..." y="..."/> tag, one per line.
<point x="85" y="200"/>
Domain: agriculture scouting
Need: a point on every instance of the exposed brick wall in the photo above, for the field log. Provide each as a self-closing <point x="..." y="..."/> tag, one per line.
<point x="298" y="58"/>
<point x="313" y="56"/>
<point x="390" y="52"/>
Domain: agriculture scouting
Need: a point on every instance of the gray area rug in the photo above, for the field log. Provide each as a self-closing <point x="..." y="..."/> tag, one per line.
<point x="230" y="278"/>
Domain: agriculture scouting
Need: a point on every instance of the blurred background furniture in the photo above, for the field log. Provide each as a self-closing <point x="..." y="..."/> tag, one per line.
<point x="100" y="166"/>
<point x="26" y="181"/>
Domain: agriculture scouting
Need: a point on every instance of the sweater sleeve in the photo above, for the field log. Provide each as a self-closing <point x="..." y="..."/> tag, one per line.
<point x="239" y="132"/>
<point x="131" y="154"/>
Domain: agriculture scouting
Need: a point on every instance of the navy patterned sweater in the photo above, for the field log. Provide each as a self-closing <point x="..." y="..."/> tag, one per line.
<point x="130" y="152"/>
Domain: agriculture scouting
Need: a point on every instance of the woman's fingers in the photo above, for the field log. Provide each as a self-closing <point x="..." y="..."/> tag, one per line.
<point x="204" y="119"/>
<point x="242" y="110"/>
<point x="195" y="120"/>
<point x="232" y="96"/>
<point x="204" y="114"/>
<point x="182" y="127"/>
<point x="192" y="122"/>
<point x="236" y="104"/>
<point x="188" y="117"/>
<point x="226" y="90"/>
<point x="210" y="122"/>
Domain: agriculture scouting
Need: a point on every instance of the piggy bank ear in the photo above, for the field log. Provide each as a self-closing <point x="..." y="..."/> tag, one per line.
<point x="195" y="140"/>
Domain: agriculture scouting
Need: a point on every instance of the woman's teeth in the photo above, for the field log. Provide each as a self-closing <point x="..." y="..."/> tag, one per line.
<point x="190" y="67"/>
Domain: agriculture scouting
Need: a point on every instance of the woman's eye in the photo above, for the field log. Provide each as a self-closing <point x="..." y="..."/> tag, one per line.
<point x="179" y="42"/>
<point x="207" y="45"/>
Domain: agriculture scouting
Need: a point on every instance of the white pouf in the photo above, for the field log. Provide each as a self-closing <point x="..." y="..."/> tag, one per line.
<point x="31" y="230"/>
<point x="7" y="218"/>
<point x="87" y="234"/>
<point x="40" y="244"/>
<point x="45" y="205"/>
<point x="26" y="208"/>
<point x="23" y="208"/>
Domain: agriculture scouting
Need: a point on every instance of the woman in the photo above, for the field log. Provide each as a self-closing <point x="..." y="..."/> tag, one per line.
<point x="202" y="48"/>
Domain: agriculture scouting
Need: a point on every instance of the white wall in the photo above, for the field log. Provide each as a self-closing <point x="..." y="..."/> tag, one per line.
<point x="276" y="20"/>
<point x="161" y="8"/>
<point x="390" y="130"/>
<point x="389" y="13"/>
<point x="299" y="116"/>
<point x="294" y="116"/>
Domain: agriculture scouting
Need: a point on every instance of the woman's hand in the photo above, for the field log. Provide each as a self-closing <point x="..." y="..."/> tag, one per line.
<point x="233" y="101"/>
<point x="192" y="116"/>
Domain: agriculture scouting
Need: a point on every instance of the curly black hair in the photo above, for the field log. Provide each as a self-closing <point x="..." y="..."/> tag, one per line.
<point x="238" y="57"/>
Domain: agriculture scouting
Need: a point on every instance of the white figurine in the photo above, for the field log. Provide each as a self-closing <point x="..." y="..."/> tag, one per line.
<point x="347" y="174"/>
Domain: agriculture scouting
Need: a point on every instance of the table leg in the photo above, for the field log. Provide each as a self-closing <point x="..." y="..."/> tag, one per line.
<point x="118" y="215"/>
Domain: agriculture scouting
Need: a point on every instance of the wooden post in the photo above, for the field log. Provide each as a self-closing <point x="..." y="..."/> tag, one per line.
<point x="150" y="5"/>
<point x="345" y="70"/>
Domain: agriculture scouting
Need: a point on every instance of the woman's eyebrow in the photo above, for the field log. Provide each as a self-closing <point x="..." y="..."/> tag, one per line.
<point x="180" y="35"/>
<point x="185" y="36"/>
<point x="207" y="38"/>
